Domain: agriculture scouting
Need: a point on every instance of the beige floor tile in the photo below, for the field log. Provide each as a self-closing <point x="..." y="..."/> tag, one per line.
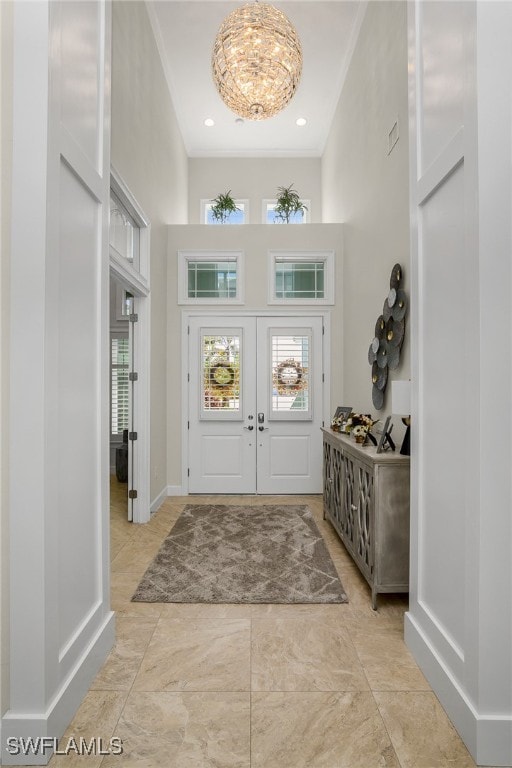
<point x="135" y="557"/>
<point x="115" y="548"/>
<point x="421" y="732"/>
<point x="94" y="723"/>
<point x="132" y="638"/>
<point x="127" y="627"/>
<point x="121" y="582"/>
<point x="387" y="662"/>
<point x="190" y="666"/>
<point x="313" y="611"/>
<point x="123" y="585"/>
<point x="304" y="654"/>
<point x="359" y="595"/>
<point x="147" y="536"/>
<point x="205" y="611"/>
<point x="375" y="622"/>
<point x="318" y="730"/>
<point x="162" y="526"/>
<point x="197" y="655"/>
<point x="184" y="730"/>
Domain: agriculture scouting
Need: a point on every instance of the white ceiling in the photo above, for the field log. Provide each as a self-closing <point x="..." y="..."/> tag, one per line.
<point x="185" y="32"/>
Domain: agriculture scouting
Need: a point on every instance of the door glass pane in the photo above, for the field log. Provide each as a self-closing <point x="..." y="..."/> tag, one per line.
<point x="290" y="355"/>
<point x="220" y="365"/>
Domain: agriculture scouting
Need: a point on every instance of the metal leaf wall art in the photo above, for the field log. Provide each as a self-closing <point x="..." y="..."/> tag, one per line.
<point x="384" y="350"/>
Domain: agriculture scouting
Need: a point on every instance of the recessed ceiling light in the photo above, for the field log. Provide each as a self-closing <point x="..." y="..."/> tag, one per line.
<point x="301" y="121"/>
<point x="209" y="122"/>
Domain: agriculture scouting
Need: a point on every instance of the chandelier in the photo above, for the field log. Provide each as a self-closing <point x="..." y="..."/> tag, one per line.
<point x="256" y="61"/>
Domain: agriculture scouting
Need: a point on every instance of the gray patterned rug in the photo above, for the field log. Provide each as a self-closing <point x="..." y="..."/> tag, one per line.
<point x="237" y="554"/>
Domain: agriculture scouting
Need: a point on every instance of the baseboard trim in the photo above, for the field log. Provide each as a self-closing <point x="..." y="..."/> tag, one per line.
<point x="158" y="500"/>
<point x="487" y="737"/>
<point x="53" y="722"/>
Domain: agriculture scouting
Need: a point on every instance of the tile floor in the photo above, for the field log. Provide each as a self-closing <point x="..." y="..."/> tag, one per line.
<point x="266" y="686"/>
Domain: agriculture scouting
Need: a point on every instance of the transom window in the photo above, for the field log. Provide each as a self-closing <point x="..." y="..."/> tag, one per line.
<point x="210" y="277"/>
<point x="269" y="213"/>
<point x="124" y="233"/>
<point x="237" y="217"/>
<point x="301" y="277"/>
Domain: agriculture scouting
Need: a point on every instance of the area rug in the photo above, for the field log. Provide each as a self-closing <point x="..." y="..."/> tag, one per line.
<point x="242" y="554"/>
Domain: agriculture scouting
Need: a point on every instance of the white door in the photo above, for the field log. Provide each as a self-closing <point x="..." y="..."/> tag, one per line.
<point x="289" y="405"/>
<point x="255" y="405"/>
<point x="222" y="405"/>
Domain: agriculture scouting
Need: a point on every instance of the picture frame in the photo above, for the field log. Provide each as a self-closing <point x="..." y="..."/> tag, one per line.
<point x="385" y="440"/>
<point x="342" y="410"/>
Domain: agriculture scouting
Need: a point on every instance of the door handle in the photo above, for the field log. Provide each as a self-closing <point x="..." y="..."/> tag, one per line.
<point x="249" y="428"/>
<point x="262" y="429"/>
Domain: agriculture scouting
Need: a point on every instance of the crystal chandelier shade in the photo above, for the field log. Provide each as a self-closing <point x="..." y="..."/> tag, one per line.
<point x="256" y="61"/>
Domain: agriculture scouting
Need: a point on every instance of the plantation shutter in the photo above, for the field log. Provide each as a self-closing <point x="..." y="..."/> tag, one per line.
<point x="120" y="400"/>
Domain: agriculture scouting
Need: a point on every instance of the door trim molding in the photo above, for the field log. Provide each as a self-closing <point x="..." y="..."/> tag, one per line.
<point x="138" y="284"/>
<point x="187" y="314"/>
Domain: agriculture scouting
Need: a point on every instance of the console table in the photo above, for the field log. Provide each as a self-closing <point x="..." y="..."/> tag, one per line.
<point x="366" y="498"/>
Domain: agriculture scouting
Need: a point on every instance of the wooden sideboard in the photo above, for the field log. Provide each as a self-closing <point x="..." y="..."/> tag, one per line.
<point x="366" y="498"/>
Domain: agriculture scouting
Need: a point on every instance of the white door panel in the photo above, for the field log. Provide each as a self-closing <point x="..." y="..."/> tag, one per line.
<point x="289" y="456"/>
<point x="222" y="444"/>
<point x="289" y="375"/>
<point x="255" y="405"/>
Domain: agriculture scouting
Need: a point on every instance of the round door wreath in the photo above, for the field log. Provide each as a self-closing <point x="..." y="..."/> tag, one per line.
<point x="289" y="375"/>
<point x="222" y="375"/>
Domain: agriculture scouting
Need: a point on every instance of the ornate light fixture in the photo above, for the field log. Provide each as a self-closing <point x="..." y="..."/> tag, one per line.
<point x="256" y="61"/>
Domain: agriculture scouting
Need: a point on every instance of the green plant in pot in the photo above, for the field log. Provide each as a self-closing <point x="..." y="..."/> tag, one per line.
<point x="288" y="204"/>
<point x="223" y="206"/>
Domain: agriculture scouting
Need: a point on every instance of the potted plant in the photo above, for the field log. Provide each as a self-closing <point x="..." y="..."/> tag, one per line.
<point x="288" y="204"/>
<point x="223" y="206"/>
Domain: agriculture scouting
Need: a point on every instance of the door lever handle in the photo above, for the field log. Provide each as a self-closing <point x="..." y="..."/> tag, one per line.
<point x="263" y="429"/>
<point x="250" y="428"/>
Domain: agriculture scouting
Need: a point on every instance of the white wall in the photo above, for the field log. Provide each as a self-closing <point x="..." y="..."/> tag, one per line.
<point x="367" y="189"/>
<point x="5" y="245"/>
<point x="459" y="625"/>
<point x="255" y="179"/>
<point x="255" y="241"/>
<point x="148" y="153"/>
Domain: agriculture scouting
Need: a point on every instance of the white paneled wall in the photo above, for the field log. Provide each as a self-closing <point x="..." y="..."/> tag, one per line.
<point x="61" y="628"/>
<point x="459" y="624"/>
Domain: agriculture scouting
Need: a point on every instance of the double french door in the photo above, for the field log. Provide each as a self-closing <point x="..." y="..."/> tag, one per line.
<point x="255" y="405"/>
